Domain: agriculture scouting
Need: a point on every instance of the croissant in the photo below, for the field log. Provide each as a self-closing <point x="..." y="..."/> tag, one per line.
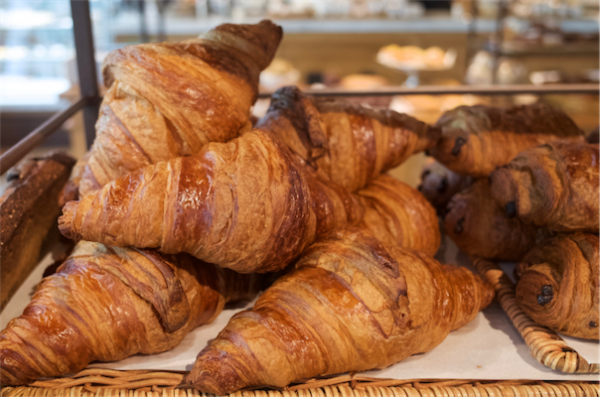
<point x="482" y="229"/>
<point x="554" y="185"/>
<point x="348" y="144"/>
<point x="167" y="100"/>
<point x="477" y="139"/>
<point x="559" y="285"/>
<point x="397" y="214"/>
<point x="247" y="205"/>
<point x="105" y="304"/>
<point x="439" y="184"/>
<point x="351" y="304"/>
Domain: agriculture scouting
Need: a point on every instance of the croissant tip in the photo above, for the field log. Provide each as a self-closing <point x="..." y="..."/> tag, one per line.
<point x="12" y="373"/>
<point x="65" y="221"/>
<point x="215" y="372"/>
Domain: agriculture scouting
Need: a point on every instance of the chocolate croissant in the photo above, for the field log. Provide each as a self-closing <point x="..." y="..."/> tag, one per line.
<point x="167" y="100"/>
<point x="439" y="184"/>
<point x="554" y="186"/>
<point x="559" y="285"/>
<point x="348" y="144"/>
<point x="482" y="229"/>
<point x="105" y="304"/>
<point x="351" y="304"/>
<point x="477" y="139"/>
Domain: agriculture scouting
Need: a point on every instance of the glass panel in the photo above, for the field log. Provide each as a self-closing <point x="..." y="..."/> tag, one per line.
<point x="36" y="47"/>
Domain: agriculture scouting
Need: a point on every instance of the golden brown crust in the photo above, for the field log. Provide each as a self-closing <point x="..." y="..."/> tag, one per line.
<point x="439" y="184"/>
<point x="480" y="228"/>
<point x="28" y="211"/>
<point x="395" y="213"/>
<point x="259" y="41"/>
<point x="247" y="205"/>
<point x="554" y="186"/>
<point x="106" y="304"/>
<point x="559" y="285"/>
<point x="477" y="139"/>
<point x="348" y="144"/>
<point x="167" y="100"/>
<point x="351" y="304"/>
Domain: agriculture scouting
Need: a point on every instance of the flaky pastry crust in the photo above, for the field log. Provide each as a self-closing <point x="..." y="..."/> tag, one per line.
<point x="554" y="186"/>
<point x="167" y="100"/>
<point x="351" y="304"/>
<point x="482" y="229"/>
<point x="105" y="304"/>
<point x="559" y="285"/>
<point x="477" y="139"/>
<point x="347" y="144"/>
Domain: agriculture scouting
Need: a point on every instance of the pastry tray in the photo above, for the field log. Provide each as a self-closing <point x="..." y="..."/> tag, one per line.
<point x="489" y="349"/>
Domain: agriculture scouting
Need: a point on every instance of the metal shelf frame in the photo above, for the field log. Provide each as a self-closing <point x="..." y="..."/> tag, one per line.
<point x="90" y="97"/>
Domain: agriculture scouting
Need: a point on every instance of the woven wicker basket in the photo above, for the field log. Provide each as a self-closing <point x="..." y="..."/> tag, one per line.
<point x="105" y="383"/>
<point x="546" y="346"/>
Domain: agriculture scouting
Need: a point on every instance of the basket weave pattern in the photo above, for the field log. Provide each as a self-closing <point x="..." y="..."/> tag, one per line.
<point x="111" y="383"/>
<point x="546" y="346"/>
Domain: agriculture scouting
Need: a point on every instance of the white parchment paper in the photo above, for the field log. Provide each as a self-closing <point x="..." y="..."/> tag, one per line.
<point x="489" y="347"/>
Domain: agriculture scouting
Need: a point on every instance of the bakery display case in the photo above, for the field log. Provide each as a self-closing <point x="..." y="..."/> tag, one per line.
<point x="371" y="299"/>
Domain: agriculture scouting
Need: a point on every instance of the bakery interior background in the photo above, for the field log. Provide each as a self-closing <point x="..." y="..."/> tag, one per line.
<point x="350" y="44"/>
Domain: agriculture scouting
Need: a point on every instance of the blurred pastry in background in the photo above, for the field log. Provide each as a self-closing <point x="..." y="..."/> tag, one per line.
<point x="394" y="53"/>
<point x="509" y="71"/>
<point x="363" y="81"/>
<point x="281" y="9"/>
<point x="429" y="108"/>
<point x="279" y="73"/>
<point x="541" y="77"/>
<point x="434" y="57"/>
<point x="480" y="69"/>
<point x="413" y="57"/>
<point x="366" y="82"/>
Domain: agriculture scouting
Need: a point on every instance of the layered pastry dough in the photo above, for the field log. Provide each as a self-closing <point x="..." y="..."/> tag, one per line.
<point x="105" y="304"/>
<point x="553" y="186"/>
<point x="559" y="285"/>
<point x="397" y="214"/>
<point x="167" y="100"/>
<point x="351" y="304"/>
<point x="477" y="139"/>
<point x="480" y="228"/>
<point x="350" y="145"/>
<point x="248" y="205"/>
